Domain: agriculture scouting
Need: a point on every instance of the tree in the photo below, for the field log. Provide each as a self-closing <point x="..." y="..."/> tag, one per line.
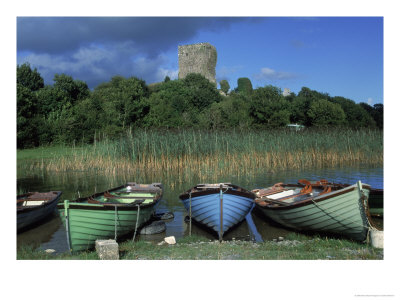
<point x="324" y="113"/>
<point x="376" y="112"/>
<point x="202" y="92"/>
<point x="26" y="110"/>
<point x="307" y="93"/>
<point x="182" y="102"/>
<point x="224" y="86"/>
<point x="65" y="92"/>
<point x="168" y="106"/>
<point x="269" y="107"/>
<point x="87" y="120"/>
<point x="244" y="86"/>
<point x="298" y="111"/>
<point x="29" y="78"/>
<point x="123" y="101"/>
<point x="73" y="90"/>
<point x="356" y="115"/>
<point x="378" y="115"/>
<point x="28" y="122"/>
<point x="231" y="112"/>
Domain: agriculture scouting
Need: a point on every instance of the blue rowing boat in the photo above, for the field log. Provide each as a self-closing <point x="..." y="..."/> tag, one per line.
<point x="218" y="206"/>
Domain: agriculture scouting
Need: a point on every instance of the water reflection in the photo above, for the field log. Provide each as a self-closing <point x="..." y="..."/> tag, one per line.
<point x="74" y="184"/>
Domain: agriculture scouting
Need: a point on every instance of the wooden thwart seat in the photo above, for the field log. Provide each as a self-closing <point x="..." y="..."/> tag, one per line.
<point x="304" y="191"/>
<point x="34" y="199"/>
<point x="91" y="200"/>
<point x="108" y="195"/>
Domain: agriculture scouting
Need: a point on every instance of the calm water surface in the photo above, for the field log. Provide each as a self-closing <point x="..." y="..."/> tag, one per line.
<point x="51" y="234"/>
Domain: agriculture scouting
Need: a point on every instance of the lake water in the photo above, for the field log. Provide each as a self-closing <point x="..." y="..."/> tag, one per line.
<point x="51" y="234"/>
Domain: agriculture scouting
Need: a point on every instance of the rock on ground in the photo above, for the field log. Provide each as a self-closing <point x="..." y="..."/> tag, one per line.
<point x="154" y="228"/>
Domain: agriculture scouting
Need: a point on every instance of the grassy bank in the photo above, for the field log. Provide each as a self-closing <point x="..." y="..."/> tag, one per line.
<point x="295" y="246"/>
<point x="204" y="152"/>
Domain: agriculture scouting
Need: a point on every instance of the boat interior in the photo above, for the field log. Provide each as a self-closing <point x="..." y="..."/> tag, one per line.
<point x="134" y="194"/>
<point x="35" y="199"/>
<point x="280" y="194"/>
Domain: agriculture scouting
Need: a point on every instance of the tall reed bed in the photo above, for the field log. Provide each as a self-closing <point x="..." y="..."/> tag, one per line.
<point x="218" y="152"/>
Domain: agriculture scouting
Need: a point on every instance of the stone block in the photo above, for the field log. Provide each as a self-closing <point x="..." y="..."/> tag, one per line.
<point x="107" y="249"/>
<point x="170" y="240"/>
<point x="376" y="237"/>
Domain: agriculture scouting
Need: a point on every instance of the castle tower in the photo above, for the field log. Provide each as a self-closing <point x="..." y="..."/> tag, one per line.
<point x="197" y="58"/>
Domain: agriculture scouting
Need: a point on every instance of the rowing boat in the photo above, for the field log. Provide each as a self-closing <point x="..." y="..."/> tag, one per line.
<point x="310" y="207"/>
<point x="218" y="206"/>
<point x="108" y="215"/>
<point x="375" y="199"/>
<point x="34" y="207"/>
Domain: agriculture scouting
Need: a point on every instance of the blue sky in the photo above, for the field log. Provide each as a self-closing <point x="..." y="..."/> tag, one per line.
<point x="341" y="56"/>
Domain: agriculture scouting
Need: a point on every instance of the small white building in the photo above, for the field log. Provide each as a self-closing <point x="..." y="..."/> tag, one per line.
<point x="286" y="92"/>
<point x="296" y="127"/>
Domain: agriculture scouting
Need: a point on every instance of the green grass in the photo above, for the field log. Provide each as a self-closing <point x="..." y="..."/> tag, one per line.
<point x="50" y="152"/>
<point x="294" y="247"/>
<point x="30" y="253"/>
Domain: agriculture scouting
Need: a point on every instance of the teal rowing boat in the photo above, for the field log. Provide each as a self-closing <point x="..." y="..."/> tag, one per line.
<point x="307" y="207"/>
<point x="108" y="215"/>
<point x="375" y="199"/>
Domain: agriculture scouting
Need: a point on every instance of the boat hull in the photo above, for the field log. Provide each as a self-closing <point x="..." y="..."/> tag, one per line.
<point x="375" y="200"/>
<point x="206" y="208"/>
<point x="90" y="222"/>
<point x="28" y="216"/>
<point x="340" y="212"/>
<point x="96" y="218"/>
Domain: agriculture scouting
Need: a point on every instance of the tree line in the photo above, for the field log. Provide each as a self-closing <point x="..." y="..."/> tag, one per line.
<point x="69" y="112"/>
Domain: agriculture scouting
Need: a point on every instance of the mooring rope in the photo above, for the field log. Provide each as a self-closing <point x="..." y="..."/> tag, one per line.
<point x="137" y="221"/>
<point x="190" y="213"/>
<point x="115" y="223"/>
<point x="369" y="227"/>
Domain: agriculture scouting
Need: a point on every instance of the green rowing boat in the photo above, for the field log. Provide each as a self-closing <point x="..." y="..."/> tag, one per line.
<point x="308" y="207"/>
<point x="108" y="215"/>
<point x="375" y="200"/>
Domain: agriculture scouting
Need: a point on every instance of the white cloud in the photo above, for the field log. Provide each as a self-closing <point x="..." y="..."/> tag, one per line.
<point x="370" y="101"/>
<point x="270" y="74"/>
<point x="162" y="73"/>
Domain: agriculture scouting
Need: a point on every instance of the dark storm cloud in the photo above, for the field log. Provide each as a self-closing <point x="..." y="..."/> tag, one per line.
<point x="150" y="35"/>
<point x="94" y="49"/>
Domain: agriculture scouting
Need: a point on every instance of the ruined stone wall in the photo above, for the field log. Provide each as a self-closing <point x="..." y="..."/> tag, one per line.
<point x="197" y="58"/>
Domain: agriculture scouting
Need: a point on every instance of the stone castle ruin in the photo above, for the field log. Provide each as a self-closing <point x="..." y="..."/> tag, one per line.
<point x="197" y="58"/>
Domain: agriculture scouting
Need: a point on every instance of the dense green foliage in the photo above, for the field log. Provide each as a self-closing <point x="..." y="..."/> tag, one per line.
<point x="224" y="86"/>
<point x="244" y="86"/>
<point x="67" y="112"/>
<point x="29" y="78"/>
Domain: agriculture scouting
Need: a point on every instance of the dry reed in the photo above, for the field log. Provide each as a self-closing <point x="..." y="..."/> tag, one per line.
<point x="217" y="153"/>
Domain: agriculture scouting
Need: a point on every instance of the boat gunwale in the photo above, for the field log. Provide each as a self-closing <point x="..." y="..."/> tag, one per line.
<point x="29" y="208"/>
<point x="239" y="191"/>
<point x="80" y="203"/>
<point x="310" y="200"/>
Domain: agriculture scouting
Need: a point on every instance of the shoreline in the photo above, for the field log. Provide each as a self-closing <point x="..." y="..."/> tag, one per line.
<point x="295" y="247"/>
